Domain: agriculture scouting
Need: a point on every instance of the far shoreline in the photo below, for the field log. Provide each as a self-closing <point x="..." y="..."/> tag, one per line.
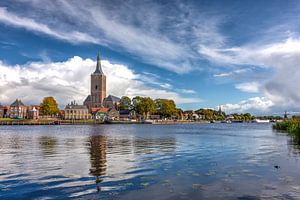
<point x="15" y="122"/>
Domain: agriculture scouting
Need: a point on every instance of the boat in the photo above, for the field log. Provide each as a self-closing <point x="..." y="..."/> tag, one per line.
<point x="262" y="121"/>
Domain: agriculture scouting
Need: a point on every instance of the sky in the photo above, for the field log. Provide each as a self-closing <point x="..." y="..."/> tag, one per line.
<point x="242" y="55"/>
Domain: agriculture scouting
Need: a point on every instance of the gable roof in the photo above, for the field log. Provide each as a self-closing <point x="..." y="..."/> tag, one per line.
<point x="17" y="103"/>
<point x="112" y="98"/>
<point x="87" y="99"/>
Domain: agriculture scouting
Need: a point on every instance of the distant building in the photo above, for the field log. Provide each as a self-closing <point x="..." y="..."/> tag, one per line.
<point x="112" y="102"/>
<point x="126" y="115"/>
<point x="98" y="88"/>
<point x="18" y="110"/>
<point x="33" y="113"/>
<point x="113" y="114"/>
<point x="188" y="114"/>
<point x="75" y="111"/>
<point x="6" y="111"/>
<point x="99" y="113"/>
<point x="1" y="111"/>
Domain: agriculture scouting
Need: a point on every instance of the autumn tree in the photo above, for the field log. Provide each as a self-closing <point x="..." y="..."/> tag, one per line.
<point x="49" y="106"/>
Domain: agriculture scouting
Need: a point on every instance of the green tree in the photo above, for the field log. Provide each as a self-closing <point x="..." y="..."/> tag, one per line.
<point x="143" y="105"/>
<point x="166" y="107"/>
<point x="49" y="106"/>
<point x="125" y="103"/>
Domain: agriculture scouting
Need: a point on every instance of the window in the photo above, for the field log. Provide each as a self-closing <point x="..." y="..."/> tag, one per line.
<point x="96" y="87"/>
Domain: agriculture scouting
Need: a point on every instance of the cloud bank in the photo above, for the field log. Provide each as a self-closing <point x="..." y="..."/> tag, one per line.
<point x="70" y="79"/>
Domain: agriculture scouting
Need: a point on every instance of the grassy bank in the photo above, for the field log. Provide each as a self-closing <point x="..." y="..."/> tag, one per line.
<point x="292" y="126"/>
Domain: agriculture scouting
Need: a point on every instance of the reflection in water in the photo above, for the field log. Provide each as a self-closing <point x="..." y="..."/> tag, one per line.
<point x="152" y="145"/>
<point x="97" y="150"/>
<point x="48" y="145"/>
<point x="14" y="142"/>
<point x="214" y="161"/>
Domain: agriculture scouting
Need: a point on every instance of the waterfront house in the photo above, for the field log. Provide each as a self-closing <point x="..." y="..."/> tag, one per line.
<point x="33" y="113"/>
<point x="113" y="114"/>
<point x="188" y="114"/>
<point x="76" y="112"/>
<point x="18" y="110"/>
<point x="100" y="113"/>
<point x="126" y="115"/>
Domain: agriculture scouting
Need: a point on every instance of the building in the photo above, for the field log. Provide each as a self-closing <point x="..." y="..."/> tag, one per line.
<point x="112" y="102"/>
<point x="113" y="114"/>
<point x="98" y="88"/>
<point x="1" y="111"/>
<point x="6" y="111"/>
<point x="75" y="111"/>
<point x="18" y="110"/>
<point x="33" y="113"/>
<point x="126" y="115"/>
<point x="100" y="113"/>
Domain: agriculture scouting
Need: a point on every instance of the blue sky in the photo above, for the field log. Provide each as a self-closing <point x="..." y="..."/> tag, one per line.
<point x="243" y="55"/>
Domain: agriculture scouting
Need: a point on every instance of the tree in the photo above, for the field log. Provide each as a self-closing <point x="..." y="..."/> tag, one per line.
<point x="125" y="103"/>
<point x="143" y="105"/>
<point x="49" y="106"/>
<point x="166" y="107"/>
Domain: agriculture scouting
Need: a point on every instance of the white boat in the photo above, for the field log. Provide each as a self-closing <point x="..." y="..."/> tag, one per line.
<point x="262" y="121"/>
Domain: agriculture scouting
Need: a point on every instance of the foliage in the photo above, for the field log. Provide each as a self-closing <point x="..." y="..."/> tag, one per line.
<point x="271" y="117"/>
<point x="243" y="117"/>
<point x="166" y="107"/>
<point x="125" y="103"/>
<point x="49" y="106"/>
<point x="292" y="126"/>
<point x="210" y="114"/>
<point x="143" y="105"/>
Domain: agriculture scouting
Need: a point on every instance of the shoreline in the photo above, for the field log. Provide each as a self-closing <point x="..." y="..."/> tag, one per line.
<point x="89" y="122"/>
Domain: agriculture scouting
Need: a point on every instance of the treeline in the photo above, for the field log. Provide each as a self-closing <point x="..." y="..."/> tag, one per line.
<point x="210" y="114"/>
<point x="292" y="126"/>
<point x="146" y="106"/>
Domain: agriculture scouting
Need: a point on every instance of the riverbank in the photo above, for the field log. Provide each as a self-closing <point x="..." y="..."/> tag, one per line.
<point x="91" y="122"/>
<point x="291" y="126"/>
<point x="7" y="121"/>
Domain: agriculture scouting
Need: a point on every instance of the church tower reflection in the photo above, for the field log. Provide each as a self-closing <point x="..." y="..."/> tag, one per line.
<point x="97" y="150"/>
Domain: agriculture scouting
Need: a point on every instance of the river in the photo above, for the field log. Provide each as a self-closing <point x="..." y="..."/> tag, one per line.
<point x="199" y="161"/>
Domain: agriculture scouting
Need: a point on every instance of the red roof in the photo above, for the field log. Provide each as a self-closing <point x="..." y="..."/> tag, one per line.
<point x="94" y="110"/>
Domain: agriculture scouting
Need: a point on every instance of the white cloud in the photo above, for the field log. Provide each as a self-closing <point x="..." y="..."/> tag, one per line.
<point x="30" y="24"/>
<point x="155" y="33"/>
<point x="281" y="85"/>
<point x="255" y="104"/>
<point x="223" y="74"/>
<point x="252" y="87"/>
<point x="187" y="91"/>
<point x="70" y="80"/>
<point x="166" y="86"/>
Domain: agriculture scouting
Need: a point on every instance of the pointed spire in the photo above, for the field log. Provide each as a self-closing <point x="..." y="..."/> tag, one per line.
<point x="98" y="67"/>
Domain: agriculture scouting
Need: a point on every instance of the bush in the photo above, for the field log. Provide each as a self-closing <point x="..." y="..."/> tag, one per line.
<point x="292" y="126"/>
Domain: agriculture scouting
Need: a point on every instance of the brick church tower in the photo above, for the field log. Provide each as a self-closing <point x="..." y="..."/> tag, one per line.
<point x="98" y="87"/>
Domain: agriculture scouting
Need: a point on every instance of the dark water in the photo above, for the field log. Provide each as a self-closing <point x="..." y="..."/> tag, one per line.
<point x="206" y="161"/>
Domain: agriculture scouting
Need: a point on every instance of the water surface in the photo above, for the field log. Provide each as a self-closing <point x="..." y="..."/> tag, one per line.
<point x="204" y="161"/>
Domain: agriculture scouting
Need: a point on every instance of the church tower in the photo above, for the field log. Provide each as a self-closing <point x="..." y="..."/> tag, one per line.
<point x="98" y="87"/>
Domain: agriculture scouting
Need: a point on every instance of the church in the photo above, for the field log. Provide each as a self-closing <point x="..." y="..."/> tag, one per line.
<point x="97" y="98"/>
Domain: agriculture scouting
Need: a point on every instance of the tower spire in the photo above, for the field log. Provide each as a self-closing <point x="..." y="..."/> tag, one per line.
<point x="98" y="67"/>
